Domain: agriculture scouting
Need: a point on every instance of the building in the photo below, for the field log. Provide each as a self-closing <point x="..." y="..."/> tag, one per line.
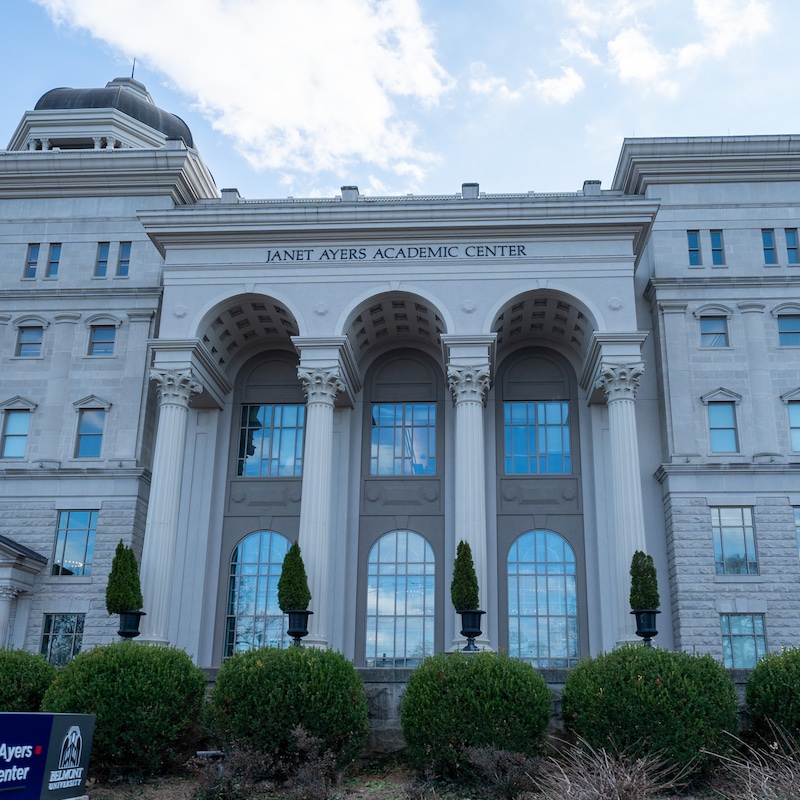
<point x="558" y="379"/>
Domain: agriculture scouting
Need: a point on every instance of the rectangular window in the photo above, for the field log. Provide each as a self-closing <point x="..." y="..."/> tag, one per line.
<point x="101" y="266"/>
<point x="768" y="240"/>
<point x="52" y="261"/>
<point x="124" y="260"/>
<point x="743" y="640"/>
<point x="794" y="424"/>
<point x="693" y="238"/>
<point x="717" y="249"/>
<point x="789" y="330"/>
<point x="90" y="433"/>
<point x="16" y="424"/>
<point x="722" y="427"/>
<point x="101" y="340"/>
<point x="271" y="441"/>
<point x="734" y="541"/>
<point x="74" y="543"/>
<point x="792" y="250"/>
<point x="713" y="331"/>
<point x="29" y="341"/>
<point x="62" y="637"/>
<point x="537" y="438"/>
<point x="403" y="439"/>
<point x="32" y="261"/>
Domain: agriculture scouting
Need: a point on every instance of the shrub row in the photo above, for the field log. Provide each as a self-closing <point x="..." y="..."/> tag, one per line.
<point x="641" y="701"/>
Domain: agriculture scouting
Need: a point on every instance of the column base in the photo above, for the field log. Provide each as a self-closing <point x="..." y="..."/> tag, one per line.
<point x="316" y="640"/>
<point x="481" y="642"/>
<point x="152" y="639"/>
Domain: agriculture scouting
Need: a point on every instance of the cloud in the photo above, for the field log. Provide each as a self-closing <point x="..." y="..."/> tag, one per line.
<point x="300" y="86"/>
<point x="483" y="83"/>
<point x="636" y="59"/>
<point x="561" y="89"/>
<point x="572" y="45"/>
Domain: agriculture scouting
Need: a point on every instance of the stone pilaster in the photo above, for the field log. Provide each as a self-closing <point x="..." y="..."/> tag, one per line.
<point x="8" y="594"/>
<point x="619" y="383"/>
<point x="175" y="389"/>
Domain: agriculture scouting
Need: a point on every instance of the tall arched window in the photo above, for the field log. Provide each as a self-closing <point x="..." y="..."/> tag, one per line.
<point x="542" y="600"/>
<point x="400" y="600"/>
<point x="253" y="616"/>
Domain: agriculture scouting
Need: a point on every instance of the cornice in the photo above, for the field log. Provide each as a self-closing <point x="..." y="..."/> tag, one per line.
<point x="666" y="470"/>
<point x="48" y="293"/>
<point x="173" y="171"/>
<point x="655" y="285"/>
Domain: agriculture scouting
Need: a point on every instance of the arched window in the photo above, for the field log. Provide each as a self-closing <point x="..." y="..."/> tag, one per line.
<point x="542" y="600"/>
<point x="400" y="600"/>
<point x="253" y="617"/>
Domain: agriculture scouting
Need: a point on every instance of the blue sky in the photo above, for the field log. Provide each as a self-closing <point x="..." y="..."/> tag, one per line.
<point x="300" y="97"/>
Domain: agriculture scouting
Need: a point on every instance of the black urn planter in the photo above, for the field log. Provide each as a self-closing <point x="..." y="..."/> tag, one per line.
<point x="646" y="624"/>
<point x="471" y="628"/>
<point x="129" y="623"/>
<point x="298" y="625"/>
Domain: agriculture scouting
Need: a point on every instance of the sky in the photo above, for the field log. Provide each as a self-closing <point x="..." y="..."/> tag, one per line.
<point x="300" y="97"/>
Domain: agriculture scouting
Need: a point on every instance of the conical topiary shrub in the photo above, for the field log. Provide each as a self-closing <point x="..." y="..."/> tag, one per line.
<point x="124" y="592"/>
<point x="293" y="591"/>
<point x="464" y="588"/>
<point x="644" y="582"/>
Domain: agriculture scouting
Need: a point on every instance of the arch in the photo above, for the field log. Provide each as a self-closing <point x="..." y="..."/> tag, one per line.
<point x="543" y="600"/>
<point x="252" y="616"/>
<point x="401" y="581"/>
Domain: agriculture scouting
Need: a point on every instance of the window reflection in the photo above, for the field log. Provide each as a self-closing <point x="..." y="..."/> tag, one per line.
<point x="537" y="438"/>
<point x="271" y="441"/>
<point x="403" y="439"/>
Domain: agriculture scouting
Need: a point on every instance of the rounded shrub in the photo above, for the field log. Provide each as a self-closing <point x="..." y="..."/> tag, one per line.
<point x="148" y="701"/>
<point x="773" y="693"/>
<point x="453" y="702"/>
<point x="262" y="696"/>
<point x="651" y="702"/>
<point x="24" y="678"/>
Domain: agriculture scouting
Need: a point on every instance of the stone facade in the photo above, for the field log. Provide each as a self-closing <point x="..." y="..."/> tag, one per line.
<point x="557" y="379"/>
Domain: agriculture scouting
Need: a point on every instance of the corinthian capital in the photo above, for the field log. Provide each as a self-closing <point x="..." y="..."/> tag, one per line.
<point x="620" y="381"/>
<point x="175" y="386"/>
<point x="321" y="385"/>
<point x="9" y="593"/>
<point x="469" y="383"/>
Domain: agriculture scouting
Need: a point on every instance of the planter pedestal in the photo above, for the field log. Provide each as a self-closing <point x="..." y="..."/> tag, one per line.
<point x="129" y="623"/>
<point x="471" y="628"/>
<point x="646" y="624"/>
<point x="298" y="625"/>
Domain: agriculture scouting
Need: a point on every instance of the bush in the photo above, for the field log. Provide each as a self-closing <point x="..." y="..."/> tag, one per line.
<point x="124" y="591"/>
<point x="649" y="702"/>
<point x="24" y="678"/>
<point x="262" y="696"/>
<point x="464" y="592"/>
<point x="148" y="701"/>
<point x="454" y="702"/>
<point x="773" y="693"/>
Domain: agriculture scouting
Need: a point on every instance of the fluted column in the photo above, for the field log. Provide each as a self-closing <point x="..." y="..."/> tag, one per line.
<point x="619" y="382"/>
<point x="321" y="387"/>
<point x="7" y="596"/>
<point x="175" y="389"/>
<point x="469" y="385"/>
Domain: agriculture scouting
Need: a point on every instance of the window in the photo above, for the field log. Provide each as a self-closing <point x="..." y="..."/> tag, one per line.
<point x="29" y="341"/>
<point x="254" y="618"/>
<point x="101" y="340"/>
<point x="75" y="543"/>
<point x="271" y="441"/>
<point x="124" y="259"/>
<point x="403" y="439"/>
<point x="794" y="424"/>
<point x="792" y="250"/>
<point x="62" y="637"/>
<point x="31" y="261"/>
<point x="722" y="427"/>
<point x="16" y="424"/>
<point x="717" y="249"/>
<point x="789" y="330"/>
<point x="52" y="261"/>
<point x="734" y="541"/>
<point x="743" y="640"/>
<point x="101" y="266"/>
<point x="713" y="331"/>
<point x="768" y="240"/>
<point x="693" y="238"/>
<point x="542" y="600"/>
<point x="401" y="574"/>
<point x="90" y="432"/>
<point x="537" y="438"/>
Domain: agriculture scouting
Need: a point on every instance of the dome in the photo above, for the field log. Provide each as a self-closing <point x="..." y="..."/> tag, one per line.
<point x="126" y="95"/>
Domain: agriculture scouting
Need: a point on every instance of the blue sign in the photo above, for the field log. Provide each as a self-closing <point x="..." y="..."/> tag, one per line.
<point x="44" y="756"/>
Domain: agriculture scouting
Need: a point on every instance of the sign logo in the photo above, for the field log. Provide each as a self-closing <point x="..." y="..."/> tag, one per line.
<point x="69" y="772"/>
